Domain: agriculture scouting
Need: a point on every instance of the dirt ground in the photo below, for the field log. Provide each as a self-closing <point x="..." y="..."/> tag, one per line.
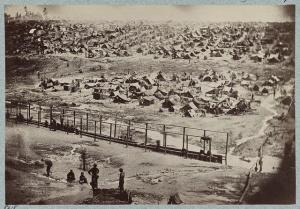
<point x="151" y="177"/>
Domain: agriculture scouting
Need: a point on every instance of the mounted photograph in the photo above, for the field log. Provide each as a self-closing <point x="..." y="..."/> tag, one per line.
<point x="149" y="104"/>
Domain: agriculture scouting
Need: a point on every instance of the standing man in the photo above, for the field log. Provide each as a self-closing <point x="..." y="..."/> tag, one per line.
<point x="94" y="173"/>
<point x="260" y="162"/>
<point x="49" y="164"/>
<point x="121" y="180"/>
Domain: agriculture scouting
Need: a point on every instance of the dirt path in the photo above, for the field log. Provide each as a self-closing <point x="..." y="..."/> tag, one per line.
<point x="271" y="164"/>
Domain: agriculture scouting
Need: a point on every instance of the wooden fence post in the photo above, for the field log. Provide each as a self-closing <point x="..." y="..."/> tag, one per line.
<point x="51" y="113"/>
<point x="146" y="136"/>
<point x="110" y="132"/>
<point x="204" y="141"/>
<point x="63" y="117"/>
<point x="67" y="129"/>
<point x="74" y="118"/>
<point x="50" y="117"/>
<point x="226" y="149"/>
<point x="95" y="130"/>
<point x="115" y="129"/>
<point x="128" y="133"/>
<point x="29" y="110"/>
<point x="17" y="106"/>
<point x="87" y="122"/>
<point x="209" y="148"/>
<point x="81" y="127"/>
<point x="27" y="114"/>
<point x="100" y="128"/>
<point x="187" y="146"/>
<point x="183" y="137"/>
<point x="164" y="138"/>
<point x="38" y="119"/>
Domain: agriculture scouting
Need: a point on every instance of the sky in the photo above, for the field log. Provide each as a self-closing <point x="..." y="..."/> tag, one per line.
<point x="201" y="13"/>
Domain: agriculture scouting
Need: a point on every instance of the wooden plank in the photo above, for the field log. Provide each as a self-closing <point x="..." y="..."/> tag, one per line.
<point x="146" y="136"/>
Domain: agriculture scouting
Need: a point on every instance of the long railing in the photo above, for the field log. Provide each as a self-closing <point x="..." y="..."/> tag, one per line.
<point x="175" y="139"/>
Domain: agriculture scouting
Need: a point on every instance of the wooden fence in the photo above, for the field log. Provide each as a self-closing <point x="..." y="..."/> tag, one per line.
<point x="145" y="135"/>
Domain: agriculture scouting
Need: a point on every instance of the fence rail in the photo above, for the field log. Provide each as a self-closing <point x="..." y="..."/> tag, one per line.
<point x="150" y="136"/>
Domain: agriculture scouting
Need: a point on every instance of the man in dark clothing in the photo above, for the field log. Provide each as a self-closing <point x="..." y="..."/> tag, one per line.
<point x="260" y="162"/>
<point x="49" y="164"/>
<point x="53" y="125"/>
<point x="70" y="176"/>
<point x="121" y="180"/>
<point x="82" y="179"/>
<point x="94" y="172"/>
<point x="46" y="123"/>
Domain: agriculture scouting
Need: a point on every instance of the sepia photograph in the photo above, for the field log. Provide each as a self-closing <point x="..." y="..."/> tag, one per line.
<point x="149" y="104"/>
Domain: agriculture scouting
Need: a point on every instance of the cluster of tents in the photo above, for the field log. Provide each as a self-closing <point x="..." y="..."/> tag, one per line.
<point x="172" y="41"/>
<point x="192" y="94"/>
<point x="188" y="94"/>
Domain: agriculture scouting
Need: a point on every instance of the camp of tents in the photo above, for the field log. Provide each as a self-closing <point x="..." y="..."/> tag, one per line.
<point x="218" y="95"/>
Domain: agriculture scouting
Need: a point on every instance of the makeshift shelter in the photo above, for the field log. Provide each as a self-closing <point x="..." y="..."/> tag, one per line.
<point x="215" y="54"/>
<point x="114" y="93"/>
<point x="255" y="87"/>
<point x="146" y="101"/>
<point x="242" y="106"/>
<point x="190" y="113"/>
<point x="189" y="106"/>
<point x="287" y="100"/>
<point x="174" y="92"/>
<point x="200" y="102"/>
<point x="207" y="78"/>
<point x="187" y="94"/>
<point x="214" y="91"/>
<point x="227" y="90"/>
<point x="186" y="56"/>
<point x="149" y="80"/>
<point x="236" y="57"/>
<point x="273" y="59"/>
<point x="256" y="58"/>
<point x="275" y="78"/>
<point x="121" y="99"/>
<point x="161" y="91"/>
<point x="168" y="103"/>
<point x="193" y="82"/>
<point x="134" y="87"/>
<point x="67" y="87"/>
<point x="132" y="79"/>
<point x="174" y="108"/>
<point x="89" y="85"/>
<point x="269" y="82"/>
<point x="245" y="83"/>
<point x="161" y="76"/>
<point x="234" y="94"/>
<point x="265" y="91"/>
<point x="175" y="77"/>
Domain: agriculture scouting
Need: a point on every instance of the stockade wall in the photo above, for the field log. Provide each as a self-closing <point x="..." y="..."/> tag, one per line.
<point x="184" y="141"/>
